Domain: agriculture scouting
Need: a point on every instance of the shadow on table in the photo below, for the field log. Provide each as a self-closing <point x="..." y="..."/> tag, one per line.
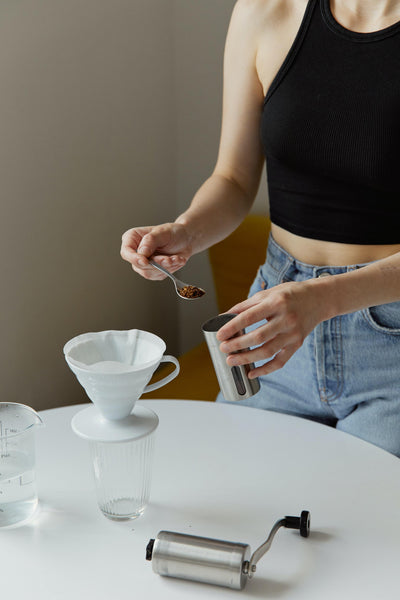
<point x="268" y="588"/>
<point x="321" y="536"/>
<point x="257" y="588"/>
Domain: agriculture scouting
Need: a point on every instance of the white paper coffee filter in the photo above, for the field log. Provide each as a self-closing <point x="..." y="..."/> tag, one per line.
<point x="132" y="349"/>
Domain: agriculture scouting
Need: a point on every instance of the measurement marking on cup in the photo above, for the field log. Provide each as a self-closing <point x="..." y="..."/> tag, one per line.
<point x="18" y="495"/>
<point x="25" y="480"/>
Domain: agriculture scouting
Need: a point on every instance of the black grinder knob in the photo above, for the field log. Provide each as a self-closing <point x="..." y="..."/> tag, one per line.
<point x="302" y="523"/>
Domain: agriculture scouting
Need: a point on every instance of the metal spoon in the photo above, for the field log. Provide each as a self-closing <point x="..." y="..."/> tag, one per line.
<point x="184" y="290"/>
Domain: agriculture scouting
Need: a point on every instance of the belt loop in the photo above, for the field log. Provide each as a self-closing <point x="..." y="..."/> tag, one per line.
<point x="289" y="262"/>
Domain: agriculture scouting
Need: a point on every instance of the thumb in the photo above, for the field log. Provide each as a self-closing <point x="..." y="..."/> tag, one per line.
<point x="148" y="245"/>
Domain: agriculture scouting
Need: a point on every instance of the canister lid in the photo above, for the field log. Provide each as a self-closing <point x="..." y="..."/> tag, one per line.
<point x="90" y="424"/>
<point x="217" y="322"/>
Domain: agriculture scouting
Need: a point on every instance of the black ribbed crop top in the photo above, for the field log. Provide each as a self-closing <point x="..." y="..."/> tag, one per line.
<point x="330" y="129"/>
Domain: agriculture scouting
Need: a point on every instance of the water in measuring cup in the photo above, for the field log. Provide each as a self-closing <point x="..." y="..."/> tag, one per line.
<point x="18" y="496"/>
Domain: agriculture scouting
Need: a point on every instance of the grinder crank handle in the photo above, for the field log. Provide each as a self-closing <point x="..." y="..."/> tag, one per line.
<point x="302" y="523"/>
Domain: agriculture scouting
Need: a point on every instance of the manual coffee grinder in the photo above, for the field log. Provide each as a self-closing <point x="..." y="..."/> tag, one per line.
<point x="218" y="562"/>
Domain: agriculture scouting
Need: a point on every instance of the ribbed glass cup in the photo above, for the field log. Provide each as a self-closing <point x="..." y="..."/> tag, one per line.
<point x="122" y="472"/>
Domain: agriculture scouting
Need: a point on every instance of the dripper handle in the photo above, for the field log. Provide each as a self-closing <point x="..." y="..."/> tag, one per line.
<point x="167" y="378"/>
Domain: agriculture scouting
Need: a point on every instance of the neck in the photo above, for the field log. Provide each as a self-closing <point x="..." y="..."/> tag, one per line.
<point x="366" y="15"/>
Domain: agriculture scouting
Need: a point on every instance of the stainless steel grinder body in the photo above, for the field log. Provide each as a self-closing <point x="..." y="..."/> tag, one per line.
<point x="208" y="560"/>
<point x="233" y="381"/>
<point x="200" y="559"/>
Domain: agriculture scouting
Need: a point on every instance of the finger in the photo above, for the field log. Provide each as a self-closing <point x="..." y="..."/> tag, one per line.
<point x="256" y="337"/>
<point x="150" y="273"/>
<point x="253" y="314"/>
<point x="133" y="237"/>
<point x="130" y="242"/>
<point x="127" y="253"/>
<point x="273" y="365"/>
<point x="171" y="262"/>
<point x="139" y="263"/>
<point x="264" y="352"/>
<point x="153" y="240"/>
<point x="128" y="250"/>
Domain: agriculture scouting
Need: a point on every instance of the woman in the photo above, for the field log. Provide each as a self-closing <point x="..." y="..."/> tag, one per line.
<point x="320" y="80"/>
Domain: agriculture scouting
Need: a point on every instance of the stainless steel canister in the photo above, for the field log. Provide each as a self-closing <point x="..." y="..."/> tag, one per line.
<point x="199" y="559"/>
<point x="233" y="381"/>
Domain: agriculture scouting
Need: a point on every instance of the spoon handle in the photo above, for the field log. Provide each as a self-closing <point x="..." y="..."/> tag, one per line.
<point x="160" y="268"/>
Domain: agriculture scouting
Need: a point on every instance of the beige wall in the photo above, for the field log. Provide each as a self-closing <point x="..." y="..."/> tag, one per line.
<point x="109" y="118"/>
<point x="86" y="151"/>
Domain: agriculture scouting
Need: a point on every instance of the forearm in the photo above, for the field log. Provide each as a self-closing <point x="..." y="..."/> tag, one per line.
<point x="216" y="210"/>
<point x="374" y="284"/>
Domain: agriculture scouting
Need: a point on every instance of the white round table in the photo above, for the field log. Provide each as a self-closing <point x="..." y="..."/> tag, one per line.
<point x="220" y="471"/>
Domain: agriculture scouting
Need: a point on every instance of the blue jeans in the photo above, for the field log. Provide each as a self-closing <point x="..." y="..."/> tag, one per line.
<point x="347" y="372"/>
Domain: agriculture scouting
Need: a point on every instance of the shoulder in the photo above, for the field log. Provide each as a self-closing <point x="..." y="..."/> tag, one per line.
<point x="267" y="8"/>
<point x="261" y="33"/>
<point x="262" y="29"/>
<point x="259" y="14"/>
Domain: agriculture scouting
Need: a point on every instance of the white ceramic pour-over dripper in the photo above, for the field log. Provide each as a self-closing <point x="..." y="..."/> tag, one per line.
<point x="114" y="367"/>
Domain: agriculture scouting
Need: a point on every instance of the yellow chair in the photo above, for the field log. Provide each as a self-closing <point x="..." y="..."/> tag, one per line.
<point x="234" y="263"/>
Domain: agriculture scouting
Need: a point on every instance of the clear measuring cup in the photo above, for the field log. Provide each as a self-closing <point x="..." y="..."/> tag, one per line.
<point x="18" y="495"/>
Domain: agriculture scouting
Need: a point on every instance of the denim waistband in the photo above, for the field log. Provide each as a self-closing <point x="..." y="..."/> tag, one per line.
<point x="280" y="260"/>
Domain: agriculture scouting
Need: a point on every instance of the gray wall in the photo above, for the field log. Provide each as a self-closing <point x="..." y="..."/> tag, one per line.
<point x="109" y="118"/>
<point x="85" y="152"/>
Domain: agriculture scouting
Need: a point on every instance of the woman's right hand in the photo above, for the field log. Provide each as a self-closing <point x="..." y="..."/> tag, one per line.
<point x="168" y="244"/>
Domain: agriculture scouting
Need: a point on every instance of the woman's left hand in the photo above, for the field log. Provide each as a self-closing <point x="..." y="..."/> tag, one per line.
<point x="291" y="311"/>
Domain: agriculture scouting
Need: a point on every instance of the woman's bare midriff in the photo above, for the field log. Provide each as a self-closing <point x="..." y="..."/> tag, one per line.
<point x="321" y="253"/>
